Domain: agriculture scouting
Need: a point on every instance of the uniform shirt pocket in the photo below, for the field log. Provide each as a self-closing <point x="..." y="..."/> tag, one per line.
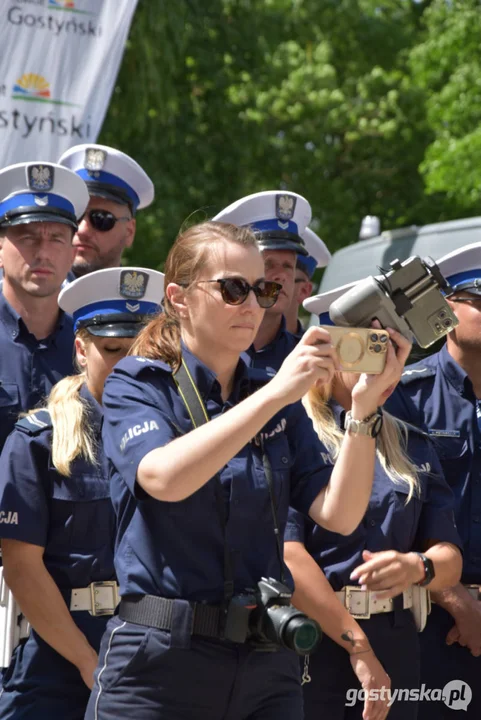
<point x="454" y="455"/>
<point x="82" y="514"/>
<point x="405" y="517"/>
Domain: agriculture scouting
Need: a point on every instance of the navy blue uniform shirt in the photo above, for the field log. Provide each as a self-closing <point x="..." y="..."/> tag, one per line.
<point x="436" y="394"/>
<point x="72" y="518"/>
<point x="271" y="356"/>
<point x="176" y="549"/>
<point x="29" y="367"/>
<point x="389" y="524"/>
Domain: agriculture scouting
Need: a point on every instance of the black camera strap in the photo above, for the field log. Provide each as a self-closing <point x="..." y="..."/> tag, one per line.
<point x="198" y="414"/>
<point x="270" y="484"/>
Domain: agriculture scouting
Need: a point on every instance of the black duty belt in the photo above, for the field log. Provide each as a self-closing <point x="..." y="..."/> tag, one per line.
<point x="158" y="612"/>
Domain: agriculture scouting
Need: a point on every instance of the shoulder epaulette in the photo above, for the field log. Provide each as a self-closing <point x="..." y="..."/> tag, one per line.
<point x="134" y="365"/>
<point x="35" y="423"/>
<point x="417" y="373"/>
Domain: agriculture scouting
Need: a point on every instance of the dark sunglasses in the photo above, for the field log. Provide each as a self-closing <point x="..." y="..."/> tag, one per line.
<point x="103" y="220"/>
<point x="234" y="291"/>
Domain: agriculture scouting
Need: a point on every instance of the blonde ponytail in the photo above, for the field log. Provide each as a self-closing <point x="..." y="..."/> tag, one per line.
<point x="391" y="442"/>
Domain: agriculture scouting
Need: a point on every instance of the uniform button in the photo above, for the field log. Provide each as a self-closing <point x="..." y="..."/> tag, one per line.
<point x="372" y="523"/>
<point x="285" y="460"/>
<point x="476" y="518"/>
<point x="14" y="333"/>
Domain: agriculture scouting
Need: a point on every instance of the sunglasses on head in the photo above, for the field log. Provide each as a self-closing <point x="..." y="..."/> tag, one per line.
<point x="235" y="290"/>
<point x="103" y="220"/>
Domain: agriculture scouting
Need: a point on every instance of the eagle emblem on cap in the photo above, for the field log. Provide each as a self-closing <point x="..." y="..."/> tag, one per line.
<point x="133" y="284"/>
<point x="285" y="206"/>
<point x="94" y="159"/>
<point x="40" y="177"/>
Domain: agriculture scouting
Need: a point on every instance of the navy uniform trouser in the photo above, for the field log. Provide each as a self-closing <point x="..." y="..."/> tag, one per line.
<point x="441" y="664"/>
<point x="151" y="674"/>
<point x="40" y="684"/>
<point x="394" y="639"/>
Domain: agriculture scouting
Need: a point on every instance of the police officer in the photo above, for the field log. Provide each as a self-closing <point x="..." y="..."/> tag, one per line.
<point x="279" y="221"/>
<point x="118" y="187"/>
<point x="318" y="257"/>
<point x="441" y="394"/>
<point x="39" y="209"/>
<point x="57" y="520"/>
<point x="376" y="571"/>
<point x="197" y="508"/>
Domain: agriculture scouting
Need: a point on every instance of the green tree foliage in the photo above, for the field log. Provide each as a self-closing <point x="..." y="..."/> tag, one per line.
<point x="224" y="98"/>
<point x="447" y="66"/>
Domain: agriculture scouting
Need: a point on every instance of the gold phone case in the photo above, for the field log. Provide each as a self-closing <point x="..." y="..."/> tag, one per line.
<point x="360" y="350"/>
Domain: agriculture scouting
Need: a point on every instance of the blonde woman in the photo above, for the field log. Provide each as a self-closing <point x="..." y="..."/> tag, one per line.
<point x="54" y="487"/>
<point x="359" y="587"/>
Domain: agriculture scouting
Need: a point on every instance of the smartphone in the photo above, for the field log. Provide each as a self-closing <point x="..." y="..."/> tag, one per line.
<point x="360" y="350"/>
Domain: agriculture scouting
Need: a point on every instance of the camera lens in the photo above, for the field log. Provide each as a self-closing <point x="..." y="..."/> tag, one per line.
<point x="374" y="337"/>
<point x="383" y="338"/>
<point x="286" y="626"/>
<point x="377" y="348"/>
<point x="302" y="635"/>
<point x="448" y="322"/>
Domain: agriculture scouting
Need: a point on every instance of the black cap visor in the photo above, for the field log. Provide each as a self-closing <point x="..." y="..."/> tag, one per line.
<point x="281" y="240"/>
<point x="116" y="330"/>
<point x="24" y="216"/>
<point x="110" y="192"/>
<point x="114" y="325"/>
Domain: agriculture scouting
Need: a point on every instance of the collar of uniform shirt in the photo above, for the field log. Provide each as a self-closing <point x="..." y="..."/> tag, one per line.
<point x="455" y="373"/>
<point x="205" y="378"/>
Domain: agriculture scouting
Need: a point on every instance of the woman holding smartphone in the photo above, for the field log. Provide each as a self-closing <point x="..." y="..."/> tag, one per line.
<point x="197" y="508"/>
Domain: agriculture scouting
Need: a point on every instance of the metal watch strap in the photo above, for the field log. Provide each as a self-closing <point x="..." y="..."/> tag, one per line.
<point x="362" y="427"/>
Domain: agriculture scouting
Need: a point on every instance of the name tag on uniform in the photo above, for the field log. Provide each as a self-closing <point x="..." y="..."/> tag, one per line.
<point x="445" y="433"/>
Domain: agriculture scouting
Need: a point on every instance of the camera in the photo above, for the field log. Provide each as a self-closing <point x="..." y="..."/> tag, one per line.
<point x="408" y="298"/>
<point x="360" y="350"/>
<point x="266" y="619"/>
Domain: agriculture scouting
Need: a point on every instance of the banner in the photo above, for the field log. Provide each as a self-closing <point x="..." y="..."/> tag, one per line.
<point x="59" y="60"/>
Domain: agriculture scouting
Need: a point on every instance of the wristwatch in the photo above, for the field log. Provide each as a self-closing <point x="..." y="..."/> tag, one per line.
<point x="429" y="572"/>
<point x="370" y="426"/>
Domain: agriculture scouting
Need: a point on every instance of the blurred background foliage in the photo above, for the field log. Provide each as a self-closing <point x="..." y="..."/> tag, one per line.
<point x="362" y="106"/>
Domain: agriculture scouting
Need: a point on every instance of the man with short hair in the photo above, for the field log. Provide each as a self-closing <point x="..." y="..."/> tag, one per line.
<point x="118" y="187"/>
<point x="40" y="204"/>
<point x="278" y="220"/>
<point x="442" y="395"/>
<point x="319" y="256"/>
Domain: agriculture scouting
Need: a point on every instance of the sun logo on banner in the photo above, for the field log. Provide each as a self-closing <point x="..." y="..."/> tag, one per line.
<point x="35" y="88"/>
<point x="63" y="4"/>
<point x="31" y="85"/>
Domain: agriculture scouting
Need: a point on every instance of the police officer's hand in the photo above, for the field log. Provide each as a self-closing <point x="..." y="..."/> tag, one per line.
<point x="372" y="677"/>
<point x="388" y="573"/>
<point x="467" y="628"/>
<point x="87" y="668"/>
<point x="372" y="391"/>
<point x="312" y="361"/>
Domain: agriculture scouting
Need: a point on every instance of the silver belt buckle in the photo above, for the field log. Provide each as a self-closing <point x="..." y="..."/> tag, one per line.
<point x="96" y="610"/>
<point x="357" y="602"/>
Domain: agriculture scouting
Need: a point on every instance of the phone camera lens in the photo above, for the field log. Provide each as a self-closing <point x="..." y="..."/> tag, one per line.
<point x="374" y="337"/>
<point x="383" y="339"/>
<point x="448" y="322"/>
<point x="377" y="348"/>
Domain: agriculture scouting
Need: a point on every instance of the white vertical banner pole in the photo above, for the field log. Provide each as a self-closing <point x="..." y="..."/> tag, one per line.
<point x="59" y="60"/>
